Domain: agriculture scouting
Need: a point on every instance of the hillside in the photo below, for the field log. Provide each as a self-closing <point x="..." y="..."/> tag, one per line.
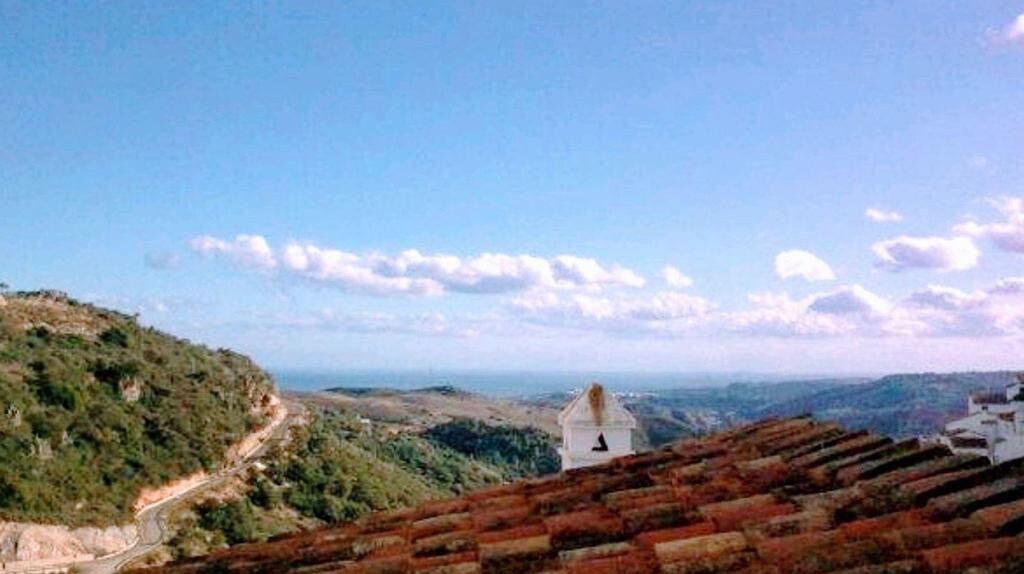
<point x="421" y="408"/>
<point x="95" y="407"/>
<point x="371" y="450"/>
<point x="900" y="405"/>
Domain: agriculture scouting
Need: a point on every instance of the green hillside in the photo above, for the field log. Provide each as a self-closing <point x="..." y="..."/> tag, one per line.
<point x="94" y="407"/>
<point x="337" y="468"/>
<point x="896" y="405"/>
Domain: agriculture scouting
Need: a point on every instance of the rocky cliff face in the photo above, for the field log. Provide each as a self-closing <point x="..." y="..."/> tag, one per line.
<point x="21" y="542"/>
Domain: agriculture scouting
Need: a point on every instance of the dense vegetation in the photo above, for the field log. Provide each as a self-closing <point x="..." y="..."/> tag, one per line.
<point x="94" y="407"/>
<point x="338" y="468"/>
<point x="517" y="451"/>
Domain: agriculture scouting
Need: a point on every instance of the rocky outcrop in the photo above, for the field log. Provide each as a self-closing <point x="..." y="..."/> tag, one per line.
<point x="270" y="406"/>
<point x="174" y="488"/>
<point x="21" y="542"/>
<point x="55" y="312"/>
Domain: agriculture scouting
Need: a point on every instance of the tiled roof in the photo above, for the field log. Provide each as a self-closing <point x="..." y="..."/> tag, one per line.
<point x="775" y="497"/>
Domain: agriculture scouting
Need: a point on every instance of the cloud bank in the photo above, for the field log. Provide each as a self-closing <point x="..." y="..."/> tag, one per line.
<point x="538" y="294"/>
<point x="414" y="273"/>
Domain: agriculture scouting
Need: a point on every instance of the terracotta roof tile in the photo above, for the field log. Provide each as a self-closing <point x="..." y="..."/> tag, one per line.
<point x="825" y="444"/>
<point x="1003" y="518"/>
<point x="789" y="524"/>
<point x="699" y="547"/>
<point x="933" y="535"/>
<point x="777" y="497"/>
<point x="966" y="501"/>
<point x="930" y="468"/>
<point x="870" y="527"/>
<point x="461" y="563"/>
<point x="829" y="558"/>
<point x="584" y="528"/>
<point x="924" y="489"/>
<point x="652" y="517"/>
<point x="959" y="557"/>
<point x="912" y="566"/>
<point x="633" y="562"/>
<point x="786" y="550"/>
<point x="681" y="533"/>
<point x="588" y="553"/>
<point x="892" y="463"/>
<point x="882" y="452"/>
<point x="847" y="448"/>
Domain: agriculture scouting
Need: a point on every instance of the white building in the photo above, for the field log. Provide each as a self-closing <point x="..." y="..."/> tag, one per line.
<point x="993" y="427"/>
<point x="595" y="428"/>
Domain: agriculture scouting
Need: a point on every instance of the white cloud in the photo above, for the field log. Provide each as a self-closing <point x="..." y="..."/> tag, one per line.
<point x="995" y="311"/>
<point x="666" y="313"/>
<point x="847" y="310"/>
<point x="250" y="251"/>
<point x="799" y="263"/>
<point x="426" y="324"/>
<point x="674" y="278"/>
<point x="584" y="271"/>
<point x="882" y="216"/>
<point x="1012" y="33"/>
<point x="943" y="254"/>
<point x="945" y="298"/>
<point x="777" y="314"/>
<point x="1008" y="235"/>
<point x="847" y="300"/>
<point x="414" y="273"/>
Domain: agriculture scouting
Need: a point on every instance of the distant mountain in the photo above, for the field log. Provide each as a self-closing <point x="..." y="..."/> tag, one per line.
<point x="899" y="405"/>
<point x="95" y="407"/>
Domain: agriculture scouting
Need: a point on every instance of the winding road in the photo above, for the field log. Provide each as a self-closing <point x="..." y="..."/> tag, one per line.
<point x="152" y="522"/>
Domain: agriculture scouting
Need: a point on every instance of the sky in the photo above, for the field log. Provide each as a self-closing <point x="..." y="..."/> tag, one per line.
<point x="784" y="187"/>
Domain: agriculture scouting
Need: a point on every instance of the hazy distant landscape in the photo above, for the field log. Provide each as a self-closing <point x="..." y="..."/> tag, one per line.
<point x="674" y="405"/>
<point x="522" y="384"/>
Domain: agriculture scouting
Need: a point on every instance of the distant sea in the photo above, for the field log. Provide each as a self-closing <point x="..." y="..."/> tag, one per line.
<point x="515" y="383"/>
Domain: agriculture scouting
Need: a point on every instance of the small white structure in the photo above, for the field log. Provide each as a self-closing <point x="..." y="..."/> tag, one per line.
<point x="595" y="428"/>
<point x="993" y="427"/>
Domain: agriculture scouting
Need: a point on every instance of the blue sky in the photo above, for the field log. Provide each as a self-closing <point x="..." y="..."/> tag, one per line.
<point x="501" y="186"/>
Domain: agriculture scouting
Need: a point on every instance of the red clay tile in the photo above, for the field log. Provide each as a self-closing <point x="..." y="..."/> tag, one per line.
<point x="1003" y="518"/>
<point x="967" y="501"/>
<point x="789" y="549"/>
<point x="959" y="557"/>
<point x="690" y="531"/>
<point x="633" y="562"/>
<point x="869" y="527"/>
<point x="586" y="528"/>
<point x="932" y="535"/>
<point x="700" y="547"/>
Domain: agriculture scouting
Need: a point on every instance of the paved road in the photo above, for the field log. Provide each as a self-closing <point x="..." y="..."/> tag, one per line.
<point x="152" y="522"/>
